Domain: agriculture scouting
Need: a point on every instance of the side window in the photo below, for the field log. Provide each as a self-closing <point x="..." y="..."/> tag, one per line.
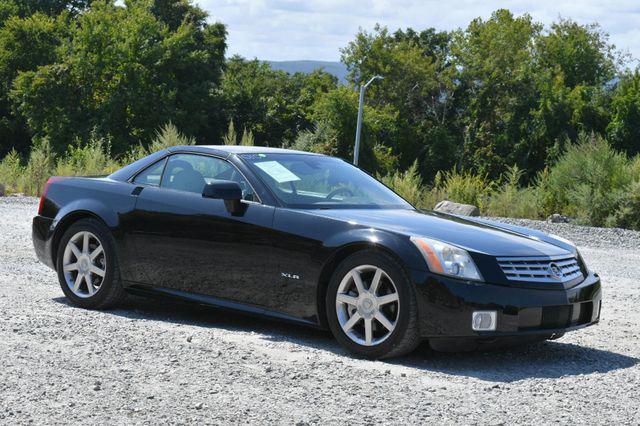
<point x="191" y="172"/>
<point x="152" y="174"/>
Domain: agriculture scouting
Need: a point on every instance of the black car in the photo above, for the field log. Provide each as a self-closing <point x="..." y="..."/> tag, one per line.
<point x="311" y="239"/>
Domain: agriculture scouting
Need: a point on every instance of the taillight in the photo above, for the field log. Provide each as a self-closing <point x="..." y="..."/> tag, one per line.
<point x="44" y="191"/>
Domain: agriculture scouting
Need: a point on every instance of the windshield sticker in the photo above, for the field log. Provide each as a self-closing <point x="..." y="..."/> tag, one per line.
<point x="277" y="171"/>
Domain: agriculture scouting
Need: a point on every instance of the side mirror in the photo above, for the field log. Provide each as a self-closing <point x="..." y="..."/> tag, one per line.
<point x="228" y="191"/>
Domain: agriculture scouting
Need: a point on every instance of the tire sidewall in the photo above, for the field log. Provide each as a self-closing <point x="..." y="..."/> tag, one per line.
<point x="403" y="287"/>
<point x="103" y="234"/>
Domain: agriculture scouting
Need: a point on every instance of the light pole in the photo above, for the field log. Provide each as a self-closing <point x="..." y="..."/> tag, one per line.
<point x="356" y="149"/>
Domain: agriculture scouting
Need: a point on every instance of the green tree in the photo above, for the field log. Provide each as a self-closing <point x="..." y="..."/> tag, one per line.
<point x="419" y="84"/>
<point x="26" y="8"/>
<point x="25" y="44"/>
<point x="336" y="115"/>
<point x="574" y="63"/>
<point x="495" y="58"/>
<point x="582" y="53"/>
<point x="624" y="128"/>
<point x="274" y="105"/>
<point x="124" y="73"/>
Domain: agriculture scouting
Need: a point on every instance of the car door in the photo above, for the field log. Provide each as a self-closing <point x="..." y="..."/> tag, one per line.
<point x="193" y="244"/>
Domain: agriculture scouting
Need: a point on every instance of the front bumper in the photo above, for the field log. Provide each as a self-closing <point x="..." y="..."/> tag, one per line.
<point x="41" y="234"/>
<point x="446" y="305"/>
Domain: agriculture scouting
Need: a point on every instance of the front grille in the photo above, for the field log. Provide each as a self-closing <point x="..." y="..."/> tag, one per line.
<point x="558" y="269"/>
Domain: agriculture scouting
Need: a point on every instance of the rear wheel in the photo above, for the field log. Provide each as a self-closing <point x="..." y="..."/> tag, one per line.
<point x="87" y="266"/>
<point x="371" y="306"/>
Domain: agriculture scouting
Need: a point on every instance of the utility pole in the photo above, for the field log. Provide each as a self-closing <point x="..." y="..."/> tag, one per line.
<point x="356" y="149"/>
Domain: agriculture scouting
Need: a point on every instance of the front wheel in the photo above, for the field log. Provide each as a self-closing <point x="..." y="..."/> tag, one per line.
<point x="88" y="267"/>
<point x="371" y="306"/>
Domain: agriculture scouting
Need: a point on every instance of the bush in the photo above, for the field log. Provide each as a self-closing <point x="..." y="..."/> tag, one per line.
<point x="93" y="159"/>
<point x="464" y="187"/>
<point x="588" y="182"/>
<point x="510" y="200"/>
<point x="166" y="137"/>
<point x="321" y="140"/>
<point x="408" y="185"/>
<point x="11" y="171"/>
<point x="628" y="214"/>
<point x="39" y="168"/>
<point x="231" y="137"/>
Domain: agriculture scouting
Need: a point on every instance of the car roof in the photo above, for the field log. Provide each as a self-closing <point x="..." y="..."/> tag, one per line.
<point x="236" y="149"/>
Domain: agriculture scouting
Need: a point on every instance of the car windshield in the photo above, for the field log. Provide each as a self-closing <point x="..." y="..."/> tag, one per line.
<point x="312" y="181"/>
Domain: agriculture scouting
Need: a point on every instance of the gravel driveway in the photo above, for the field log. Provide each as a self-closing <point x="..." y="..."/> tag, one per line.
<point x="157" y="362"/>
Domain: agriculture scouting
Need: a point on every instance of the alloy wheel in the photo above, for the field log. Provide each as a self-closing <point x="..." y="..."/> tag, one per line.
<point x="367" y="305"/>
<point x="84" y="264"/>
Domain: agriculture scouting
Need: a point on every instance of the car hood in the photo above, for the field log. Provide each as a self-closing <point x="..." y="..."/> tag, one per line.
<point x="476" y="235"/>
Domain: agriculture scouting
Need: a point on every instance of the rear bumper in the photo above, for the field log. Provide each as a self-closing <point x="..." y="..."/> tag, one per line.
<point x="41" y="234"/>
<point x="446" y="306"/>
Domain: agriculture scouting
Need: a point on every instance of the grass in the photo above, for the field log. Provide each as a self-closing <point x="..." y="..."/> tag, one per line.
<point x="92" y="158"/>
<point x="591" y="182"/>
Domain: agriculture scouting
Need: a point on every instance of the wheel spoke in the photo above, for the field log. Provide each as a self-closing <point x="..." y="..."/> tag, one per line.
<point x="376" y="281"/>
<point x="85" y="243"/>
<point x="387" y="298"/>
<point x="382" y="319"/>
<point x="90" y="288"/>
<point x="74" y="249"/>
<point x="78" y="282"/>
<point x="357" y="279"/>
<point x="367" y="318"/>
<point x="352" y="321"/>
<point x="71" y="267"/>
<point x="368" y="331"/>
<point x="97" y="270"/>
<point x="96" y="253"/>
<point x="345" y="298"/>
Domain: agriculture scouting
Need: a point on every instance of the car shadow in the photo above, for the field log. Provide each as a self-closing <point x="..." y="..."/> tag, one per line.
<point x="543" y="360"/>
<point x="551" y="359"/>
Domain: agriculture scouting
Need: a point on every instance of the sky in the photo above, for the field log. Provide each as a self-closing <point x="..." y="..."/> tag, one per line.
<point x="317" y="29"/>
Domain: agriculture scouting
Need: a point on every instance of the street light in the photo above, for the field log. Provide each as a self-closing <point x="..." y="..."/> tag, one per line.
<point x="356" y="149"/>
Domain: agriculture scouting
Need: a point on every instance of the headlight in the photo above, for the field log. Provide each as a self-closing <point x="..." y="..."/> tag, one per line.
<point x="445" y="259"/>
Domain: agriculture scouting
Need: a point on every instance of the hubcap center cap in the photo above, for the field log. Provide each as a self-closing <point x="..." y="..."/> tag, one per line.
<point x="84" y="264"/>
<point x="367" y="306"/>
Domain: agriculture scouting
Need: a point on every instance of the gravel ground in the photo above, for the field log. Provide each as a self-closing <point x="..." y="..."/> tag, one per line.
<point x="152" y="362"/>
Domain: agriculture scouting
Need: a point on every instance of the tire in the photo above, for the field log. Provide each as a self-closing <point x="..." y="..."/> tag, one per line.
<point x="344" y="304"/>
<point x="105" y="291"/>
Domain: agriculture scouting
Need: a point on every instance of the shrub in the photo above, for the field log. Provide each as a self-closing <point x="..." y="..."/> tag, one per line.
<point x="628" y="213"/>
<point x="247" y="138"/>
<point x="11" y="171"/>
<point x="634" y="168"/>
<point x="588" y="181"/>
<point x="407" y="184"/>
<point x="231" y="137"/>
<point x="510" y="200"/>
<point x="39" y="168"/>
<point x="92" y="159"/>
<point x="166" y="137"/>
<point x="321" y="139"/>
<point x="465" y="187"/>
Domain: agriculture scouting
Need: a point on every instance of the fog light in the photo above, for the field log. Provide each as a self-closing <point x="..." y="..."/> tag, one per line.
<point x="484" y="321"/>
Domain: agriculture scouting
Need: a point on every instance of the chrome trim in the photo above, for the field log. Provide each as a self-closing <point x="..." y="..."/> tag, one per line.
<point x="538" y="269"/>
<point x="181" y="151"/>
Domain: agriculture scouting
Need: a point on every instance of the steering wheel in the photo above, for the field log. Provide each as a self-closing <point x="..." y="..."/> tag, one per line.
<point x="338" y="191"/>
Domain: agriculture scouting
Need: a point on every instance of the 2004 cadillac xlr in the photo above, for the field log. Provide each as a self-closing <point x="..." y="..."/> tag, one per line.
<point x="312" y="239"/>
